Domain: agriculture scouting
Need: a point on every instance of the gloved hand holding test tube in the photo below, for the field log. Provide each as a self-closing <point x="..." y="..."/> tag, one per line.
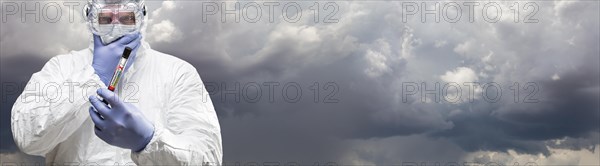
<point x="118" y="71"/>
<point x="116" y="122"/>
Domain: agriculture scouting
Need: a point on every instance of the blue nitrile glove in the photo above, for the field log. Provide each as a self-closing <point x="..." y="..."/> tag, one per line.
<point x="106" y="57"/>
<point x="123" y="125"/>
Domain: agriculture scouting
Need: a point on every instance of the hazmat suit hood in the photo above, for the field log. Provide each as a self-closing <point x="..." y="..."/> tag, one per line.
<point x="131" y="66"/>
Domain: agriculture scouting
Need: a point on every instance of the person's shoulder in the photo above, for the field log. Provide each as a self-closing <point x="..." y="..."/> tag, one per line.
<point x="74" y="56"/>
<point x="72" y="59"/>
<point x="172" y="61"/>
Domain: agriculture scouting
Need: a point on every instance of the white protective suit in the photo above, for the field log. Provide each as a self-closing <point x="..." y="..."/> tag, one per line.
<point x="55" y="123"/>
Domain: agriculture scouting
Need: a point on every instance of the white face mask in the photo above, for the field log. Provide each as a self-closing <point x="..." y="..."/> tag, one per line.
<point x="116" y="31"/>
<point x="107" y="39"/>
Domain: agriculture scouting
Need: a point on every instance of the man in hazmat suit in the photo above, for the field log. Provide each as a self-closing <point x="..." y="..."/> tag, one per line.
<point x="159" y="114"/>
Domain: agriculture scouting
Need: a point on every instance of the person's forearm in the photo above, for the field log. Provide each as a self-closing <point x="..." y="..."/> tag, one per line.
<point x="50" y="108"/>
<point x="166" y="148"/>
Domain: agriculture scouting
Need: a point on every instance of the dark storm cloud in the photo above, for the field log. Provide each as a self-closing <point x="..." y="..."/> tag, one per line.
<point x="568" y="108"/>
<point x="16" y="71"/>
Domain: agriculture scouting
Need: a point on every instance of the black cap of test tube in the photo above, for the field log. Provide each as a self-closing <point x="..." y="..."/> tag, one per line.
<point x="126" y="52"/>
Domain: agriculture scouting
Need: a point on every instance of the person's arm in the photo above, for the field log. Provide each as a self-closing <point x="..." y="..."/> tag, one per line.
<point x="191" y="135"/>
<point x="53" y="105"/>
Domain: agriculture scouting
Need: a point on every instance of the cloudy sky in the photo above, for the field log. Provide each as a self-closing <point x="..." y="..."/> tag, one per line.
<point x="367" y="71"/>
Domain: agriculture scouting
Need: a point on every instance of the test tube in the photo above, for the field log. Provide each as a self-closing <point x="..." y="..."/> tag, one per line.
<point x="118" y="71"/>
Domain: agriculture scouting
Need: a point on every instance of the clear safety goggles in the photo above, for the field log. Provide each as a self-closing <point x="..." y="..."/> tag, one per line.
<point x="116" y="17"/>
<point x="122" y="18"/>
